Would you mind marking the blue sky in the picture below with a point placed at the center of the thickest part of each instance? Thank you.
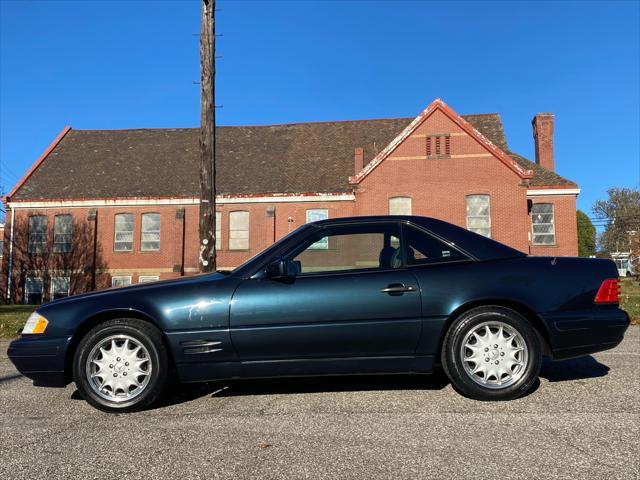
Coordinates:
(109, 65)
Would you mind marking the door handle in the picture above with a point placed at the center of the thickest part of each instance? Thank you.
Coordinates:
(398, 289)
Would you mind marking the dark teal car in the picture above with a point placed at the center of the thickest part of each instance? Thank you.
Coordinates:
(344, 296)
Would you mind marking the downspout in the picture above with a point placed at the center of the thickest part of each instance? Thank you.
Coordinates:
(13, 218)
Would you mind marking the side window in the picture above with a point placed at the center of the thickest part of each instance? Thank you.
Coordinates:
(218, 230)
(59, 287)
(239, 230)
(400, 206)
(316, 215)
(543, 224)
(37, 234)
(479, 214)
(423, 249)
(350, 248)
(33, 290)
(120, 281)
(123, 241)
(150, 240)
(62, 232)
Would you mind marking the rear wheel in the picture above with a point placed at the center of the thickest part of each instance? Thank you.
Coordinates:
(492, 353)
(121, 365)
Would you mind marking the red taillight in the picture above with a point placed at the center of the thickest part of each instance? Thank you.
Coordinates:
(609, 291)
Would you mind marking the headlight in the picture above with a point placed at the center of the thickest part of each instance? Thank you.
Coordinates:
(36, 324)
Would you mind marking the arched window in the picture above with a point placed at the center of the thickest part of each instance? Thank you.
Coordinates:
(479, 214)
(400, 206)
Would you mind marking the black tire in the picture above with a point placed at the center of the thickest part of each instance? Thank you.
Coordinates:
(145, 334)
(452, 362)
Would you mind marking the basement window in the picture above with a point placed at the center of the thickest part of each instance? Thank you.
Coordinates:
(33, 290)
(62, 232)
(543, 224)
(400, 206)
(37, 234)
(120, 281)
(150, 241)
(59, 287)
(123, 241)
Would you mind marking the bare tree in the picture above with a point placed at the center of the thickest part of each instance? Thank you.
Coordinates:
(44, 259)
(621, 213)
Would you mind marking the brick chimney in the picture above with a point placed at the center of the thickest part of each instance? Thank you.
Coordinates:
(359, 159)
(543, 137)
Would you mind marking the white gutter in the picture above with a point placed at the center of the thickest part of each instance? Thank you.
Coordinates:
(132, 202)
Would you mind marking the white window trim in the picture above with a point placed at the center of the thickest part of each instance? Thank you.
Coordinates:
(68, 286)
(26, 292)
(400, 197)
(553, 225)
(479, 216)
(113, 277)
(231, 237)
(115, 232)
(142, 232)
(149, 278)
(323, 243)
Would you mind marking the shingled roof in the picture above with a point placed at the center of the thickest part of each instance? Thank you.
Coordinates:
(293, 158)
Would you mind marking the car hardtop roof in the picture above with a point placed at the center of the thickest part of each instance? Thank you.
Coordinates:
(478, 246)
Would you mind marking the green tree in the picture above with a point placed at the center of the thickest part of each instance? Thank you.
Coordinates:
(586, 235)
(621, 214)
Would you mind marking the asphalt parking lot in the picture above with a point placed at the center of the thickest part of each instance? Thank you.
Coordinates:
(581, 422)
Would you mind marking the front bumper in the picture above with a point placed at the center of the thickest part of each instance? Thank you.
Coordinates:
(574, 334)
(41, 359)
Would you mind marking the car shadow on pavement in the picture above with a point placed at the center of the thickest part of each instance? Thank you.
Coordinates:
(181, 393)
(573, 369)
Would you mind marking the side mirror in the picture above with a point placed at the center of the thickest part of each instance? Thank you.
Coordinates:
(282, 270)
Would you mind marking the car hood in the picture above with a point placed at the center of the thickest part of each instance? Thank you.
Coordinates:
(141, 287)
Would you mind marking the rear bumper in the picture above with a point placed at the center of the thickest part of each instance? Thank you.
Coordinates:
(41, 359)
(574, 334)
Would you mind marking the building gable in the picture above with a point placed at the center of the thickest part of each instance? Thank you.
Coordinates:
(430, 135)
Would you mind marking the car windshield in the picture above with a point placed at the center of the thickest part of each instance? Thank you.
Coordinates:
(259, 257)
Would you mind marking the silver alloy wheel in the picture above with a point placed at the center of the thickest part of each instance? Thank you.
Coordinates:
(494, 355)
(118, 368)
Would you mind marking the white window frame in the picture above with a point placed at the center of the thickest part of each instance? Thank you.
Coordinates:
(114, 277)
(130, 232)
(218, 230)
(148, 278)
(51, 292)
(482, 217)
(27, 291)
(41, 245)
(68, 245)
(552, 223)
(398, 205)
(315, 215)
(144, 232)
(239, 235)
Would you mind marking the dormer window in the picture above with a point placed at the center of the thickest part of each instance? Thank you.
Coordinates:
(438, 146)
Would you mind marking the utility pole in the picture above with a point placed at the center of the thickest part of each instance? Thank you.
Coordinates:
(207, 138)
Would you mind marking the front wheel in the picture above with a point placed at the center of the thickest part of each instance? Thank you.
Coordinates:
(121, 365)
(492, 353)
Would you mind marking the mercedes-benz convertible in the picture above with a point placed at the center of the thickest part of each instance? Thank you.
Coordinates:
(388, 294)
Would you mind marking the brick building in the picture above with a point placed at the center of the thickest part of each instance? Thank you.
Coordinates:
(125, 202)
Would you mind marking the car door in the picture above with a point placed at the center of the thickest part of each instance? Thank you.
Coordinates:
(351, 297)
